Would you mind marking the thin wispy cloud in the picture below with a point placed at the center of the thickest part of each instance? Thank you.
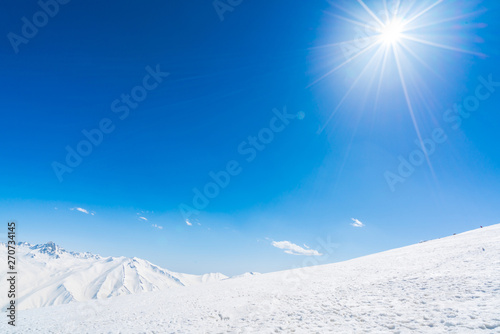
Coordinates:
(293, 249)
(188, 223)
(356, 223)
(157, 226)
(83, 211)
(143, 218)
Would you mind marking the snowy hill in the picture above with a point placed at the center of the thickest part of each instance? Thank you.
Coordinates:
(58, 276)
(248, 274)
(449, 285)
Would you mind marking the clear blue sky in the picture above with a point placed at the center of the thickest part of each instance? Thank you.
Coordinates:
(315, 171)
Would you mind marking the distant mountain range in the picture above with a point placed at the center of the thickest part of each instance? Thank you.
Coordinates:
(50, 275)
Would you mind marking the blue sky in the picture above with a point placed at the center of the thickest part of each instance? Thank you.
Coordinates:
(306, 175)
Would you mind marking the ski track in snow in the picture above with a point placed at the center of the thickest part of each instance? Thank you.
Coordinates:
(448, 285)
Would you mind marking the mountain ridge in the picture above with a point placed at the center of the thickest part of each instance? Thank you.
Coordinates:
(63, 276)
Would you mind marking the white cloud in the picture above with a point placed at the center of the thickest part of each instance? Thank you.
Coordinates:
(188, 223)
(357, 223)
(157, 226)
(83, 210)
(143, 218)
(291, 248)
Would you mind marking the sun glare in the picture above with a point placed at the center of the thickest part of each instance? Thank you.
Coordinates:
(392, 35)
(391, 32)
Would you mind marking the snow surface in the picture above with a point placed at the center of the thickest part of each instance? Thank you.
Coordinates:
(50, 275)
(449, 285)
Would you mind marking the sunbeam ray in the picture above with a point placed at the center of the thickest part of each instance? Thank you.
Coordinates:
(449, 19)
(423, 12)
(361, 24)
(421, 61)
(342, 43)
(343, 64)
(410, 108)
(367, 66)
(384, 62)
(446, 47)
(371, 13)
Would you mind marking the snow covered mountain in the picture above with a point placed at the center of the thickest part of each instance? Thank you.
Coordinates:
(57, 276)
(448, 285)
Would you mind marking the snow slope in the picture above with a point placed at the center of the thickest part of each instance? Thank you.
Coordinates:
(449, 285)
(57, 276)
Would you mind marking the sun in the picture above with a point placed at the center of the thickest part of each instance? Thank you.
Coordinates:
(394, 36)
(392, 32)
